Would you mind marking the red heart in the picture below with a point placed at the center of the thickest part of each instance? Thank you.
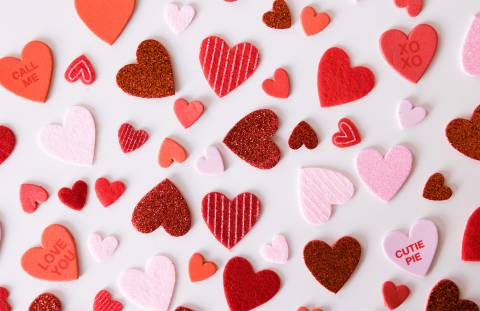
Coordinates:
(339, 84)
(4, 306)
(464, 135)
(311, 23)
(171, 151)
(183, 308)
(413, 6)
(303, 134)
(187, 114)
(229, 221)
(7, 142)
(394, 297)
(108, 193)
(435, 190)
(226, 69)
(409, 56)
(199, 270)
(445, 297)
(102, 302)
(30, 195)
(348, 135)
(76, 197)
(279, 87)
(245, 289)
(80, 68)
(129, 139)
(45, 302)
(471, 238)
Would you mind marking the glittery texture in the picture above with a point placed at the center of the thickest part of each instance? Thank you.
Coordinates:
(435, 190)
(464, 135)
(303, 134)
(471, 49)
(4, 306)
(76, 197)
(332, 267)
(280, 17)
(445, 297)
(409, 116)
(413, 6)
(45, 302)
(129, 139)
(348, 135)
(7, 143)
(394, 297)
(471, 238)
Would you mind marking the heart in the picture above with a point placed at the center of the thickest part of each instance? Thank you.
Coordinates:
(225, 73)
(413, 6)
(409, 56)
(303, 134)
(7, 143)
(129, 139)
(279, 87)
(198, 270)
(152, 289)
(76, 197)
(29, 77)
(105, 18)
(4, 306)
(409, 116)
(384, 176)
(250, 140)
(245, 289)
(229, 221)
(45, 302)
(171, 151)
(152, 77)
(394, 297)
(212, 164)
(332, 267)
(163, 206)
(471, 49)
(280, 17)
(471, 238)
(74, 142)
(102, 302)
(435, 190)
(305, 309)
(56, 260)
(183, 309)
(108, 193)
(177, 19)
(445, 297)
(277, 252)
(30, 195)
(187, 114)
(339, 84)
(100, 248)
(319, 189)
(80, 68)
(464, 135)
(413, 252)
(348, 135)
(312, 24)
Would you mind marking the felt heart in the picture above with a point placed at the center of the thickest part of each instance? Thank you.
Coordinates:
(277, 252)
(445, 297)
(76, 197)
(339, 84)
(163, 206)
(245, 289)
(177, 19)
(152, 77)
(56, 260)
(198, 270)
(105, 18)
(225, 73)
(4, 306)
(212, 164)
(471, 49)
(250, 139)
(414, 252)
(171, 151)
(471, 238)
(280, 17)
(80, 68)
(279, 87)
(30, 195)
(29, 77)
(319, 189)
(229, 221)
(413, 6)
(303, 134)
(45, 302)
(150, 290)
(384, 176)
(332, 266)
(100, 248)
(394, 297)
(348, 135)
(409, 116)
(108, 193)
(464, 135)
(129, 139)
(74, 142)
(186, 113)
(312, 24)
(102, 302)
(7, 143)
(435, 190)
(409, 56)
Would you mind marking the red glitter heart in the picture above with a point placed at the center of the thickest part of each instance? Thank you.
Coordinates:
(445, 297)
(348, 135)
(303, 134)
(183, 309)
(80, 68)
(102, 302)
(108, 193)
(7, 143)
(394, 297)
(129, 139)
(464, 135)
(76, 197)
(280, 17)
(471, 238)
(435, 190)
(4, 306)
(45, 302)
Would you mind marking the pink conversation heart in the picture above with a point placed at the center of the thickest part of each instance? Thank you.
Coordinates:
(277, 252)
(179, 19)
(74, 142)
(151, 290)
(409, 116)
(384, 176)
(471, 49)
(101, 249)
(414, 252)
(319, 189)
(212, 164)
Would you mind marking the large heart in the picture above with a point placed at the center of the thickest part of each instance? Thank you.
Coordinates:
(226, 69)
(445, 296)
(471, 238)
(56, 260)
(229, 221)
(102, 302)
(464, 135)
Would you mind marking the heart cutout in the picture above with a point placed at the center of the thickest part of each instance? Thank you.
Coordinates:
(471, 49)
(471, 238)
(199, 270)
(4, 306)
(305, 309)
(435, 190)
(303, 134)
(277, 252)
(279, 87)
(186, 113)
(102, 302)
(100, 248)
(108, 193)
(212, 164)
(394, 297)
(80, 68)
(177, 19)
(45, 302)
(409, 116)
(413, 6)
(279, 17)
(445, 296)
(348, 135)
(76, 197)
(171, 151)
(464, 135)
(129, 139)
(30, 195)
(7, 143)
(311, 23)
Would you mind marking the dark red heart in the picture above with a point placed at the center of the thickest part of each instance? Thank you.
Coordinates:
(129, 139)
(413, 6)
(4, 306)
(279, 17)
(464, 135)
(80, 68)
(183, 309)
(394, 297)
(435, 190)
(7, 142)
(445, 297)
(102, 302)
(348, 135)
(303, 134)
(76, 197)
(471, 238)
(108, 193)
(45, 302)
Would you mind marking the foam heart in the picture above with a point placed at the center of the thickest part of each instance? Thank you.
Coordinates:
(102, 302)
(279, 17)
(471, 238)
(45, 302)
(171, 151)
(277, 252)
(279, 87)
(80, 68)
(348, 135)
(384, 176)
(199, 270)
(129, 139)
(150, 290)
(76, 197)
(394, 297)
(108, 193)
(100, 248)
(177, 19)
(471, 49)
(212, 164)
(4, 306)
(445, 296)
(413, 6)
(303, 134)
(409, 116)
(30, 195)
(311, 23)
(435, 190)
(74, 142)
(464, 135)
(186, 113)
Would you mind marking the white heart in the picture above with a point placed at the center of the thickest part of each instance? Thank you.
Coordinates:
(177, 19)
(277, 252)
(101, 249)
(409, 116)
(212, 164)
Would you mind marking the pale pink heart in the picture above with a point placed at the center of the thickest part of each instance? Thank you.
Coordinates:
(414, 252)
(277, 252)
(151, 290)
(409, 116)
(384, 176)
(212, 164)
(101, 249)
(74, 142)
(471, 49)
(177, 19)
(319, 189)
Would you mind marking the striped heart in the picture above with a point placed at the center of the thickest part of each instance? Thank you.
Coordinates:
(102, 302)
(129, 139)
(229, 221)
(226, 69)
(348, 135)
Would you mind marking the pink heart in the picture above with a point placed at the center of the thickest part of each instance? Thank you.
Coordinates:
(277, 252)
(101, 249)
(471, 49)
(414, 252)
(186, 113)
(179, 19)
(151, 290)
(212, 164)
(409, 116)
(74, 142)
(384, 177)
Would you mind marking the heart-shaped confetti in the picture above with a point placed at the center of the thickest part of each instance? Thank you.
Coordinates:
(303, 134)
(45, 302)
(348, 135)
(4, 306)
(471, 49)
(435, 190)
(413, 6)
(100, 248)
(186, 113)
(199, 270)
(76, 197)
(277, 252)
(177, 19)
(7, 143)
(80, 68)
(279, 17)
(445, 296)
(312, 23)
(30, 195)
(171, 151)
(464, 135)
(305, 309)
(212, 164)
(279, 87)
(102, 302)
(129, 139)
(471, 238)
(409, 116)
(393, 296)
(108, 193)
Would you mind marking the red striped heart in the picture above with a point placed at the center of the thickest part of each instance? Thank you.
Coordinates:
(229, 221)
(102, 302)
(129, 139)
(348, 135)
(80, 68)
(226, 69)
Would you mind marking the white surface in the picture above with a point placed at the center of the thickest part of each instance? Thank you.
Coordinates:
(444, 91)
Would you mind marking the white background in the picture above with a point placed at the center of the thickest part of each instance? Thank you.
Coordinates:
(444, 91)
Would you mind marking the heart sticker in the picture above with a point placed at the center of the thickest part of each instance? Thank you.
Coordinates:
(348, 135)
(409, 116)
(108, 193)
(471, 49)
(177, 19)
(102, 302)
(30, 195)
(171, 151)
(186, 113)
(212, 164)
(464, 135)
(279, 17)
(76, 197)
(471, 238)
(446, 296)
(80, 68)
(4, 306)
(413, 6)
(311, 23)
(199, 270)
(100, 248)
(129, 139)
(393, 296)
(279, 87)
(277, 252)
(435, 190)
(303, 134)
(45, 302)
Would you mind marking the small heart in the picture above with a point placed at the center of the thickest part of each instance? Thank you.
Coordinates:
(108, 193)
(187, 114)
(303, 134)
(409, 116)
(394, 297)
(80, 68)
(348, 135)
(45, 302)
(280, 17)
(471, 238)
(177, 19)
(445, 297)
(183, 308)
(101, 249)
(471, 49)
(4, 306)
(435, 190)
(464, 135)
(129, 139)
(277, 252)
(102, 302)
(312, 24)
(279, 87)
(305, 309)
(171, 151)
(198, 270)
(212, 164)
(76, 197)
(30, 195)
(413, 6)
(7, 143)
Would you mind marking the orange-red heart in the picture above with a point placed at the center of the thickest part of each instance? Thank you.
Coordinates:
(279, 87)
(199, 270)
(311, 23)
